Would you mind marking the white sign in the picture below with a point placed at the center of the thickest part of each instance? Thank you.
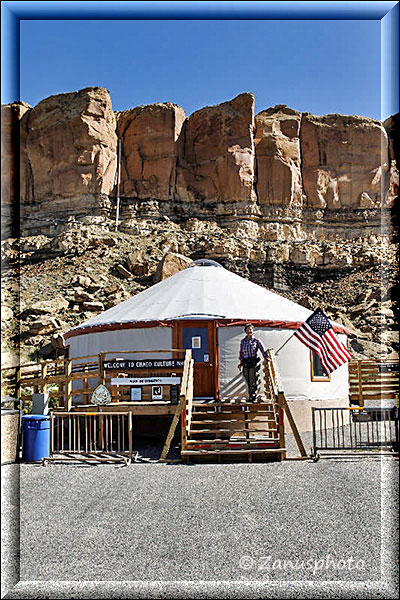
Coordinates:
(196, 342)
(156, 392)
(136, 394)
(101, 395)
(145, 381)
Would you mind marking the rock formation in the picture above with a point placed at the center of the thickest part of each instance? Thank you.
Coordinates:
(70, 148)
(277, 147)
(11, 131)
(216, 154)
(344, 161)
(289, 200)
(149, 135)
(277, 176)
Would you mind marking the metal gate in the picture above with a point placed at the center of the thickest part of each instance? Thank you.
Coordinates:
(352, 429)
(103, 436)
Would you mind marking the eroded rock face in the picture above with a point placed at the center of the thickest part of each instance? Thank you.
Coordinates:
(277, 146)
(392, 127)
(149, 135)
(71, 145)
(282, 176)
(344, 161)
(11, 115)
(216, 154)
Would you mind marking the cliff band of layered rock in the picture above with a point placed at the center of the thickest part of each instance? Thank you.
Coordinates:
(148, 159)
(279, 174)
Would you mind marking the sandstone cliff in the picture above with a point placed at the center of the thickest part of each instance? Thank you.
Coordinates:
(290, 200)
(283, 174)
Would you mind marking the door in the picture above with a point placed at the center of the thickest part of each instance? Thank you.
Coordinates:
(199, 336)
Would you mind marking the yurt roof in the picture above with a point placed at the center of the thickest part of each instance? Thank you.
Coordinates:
(203, 290)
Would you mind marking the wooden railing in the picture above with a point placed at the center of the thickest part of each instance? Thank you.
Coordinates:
(273, 385)
(185, 401)
(373, 380)
(90, 433)
(189, 397)
(66, 379)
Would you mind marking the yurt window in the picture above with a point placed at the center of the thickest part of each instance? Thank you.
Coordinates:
(317, 371)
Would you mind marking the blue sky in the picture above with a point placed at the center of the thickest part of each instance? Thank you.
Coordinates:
(320, 67)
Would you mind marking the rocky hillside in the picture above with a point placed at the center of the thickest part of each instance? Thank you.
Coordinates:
(302, 204)
(69, 278)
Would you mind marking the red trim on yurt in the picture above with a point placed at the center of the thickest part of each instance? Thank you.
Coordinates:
(116, 327)
(274, 324)
(218, 323)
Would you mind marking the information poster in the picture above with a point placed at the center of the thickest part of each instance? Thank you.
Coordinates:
(196, 342)
(136, 394)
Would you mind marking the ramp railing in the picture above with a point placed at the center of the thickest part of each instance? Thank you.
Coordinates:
(91, 434)
(352, 429)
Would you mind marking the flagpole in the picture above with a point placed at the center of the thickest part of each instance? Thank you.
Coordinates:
(284, 344)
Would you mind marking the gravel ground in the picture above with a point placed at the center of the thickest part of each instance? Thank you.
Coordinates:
(259, 527)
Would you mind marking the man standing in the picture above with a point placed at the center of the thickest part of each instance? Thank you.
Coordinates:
(248, 358)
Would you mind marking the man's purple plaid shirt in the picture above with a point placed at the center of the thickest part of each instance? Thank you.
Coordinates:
(249, 347)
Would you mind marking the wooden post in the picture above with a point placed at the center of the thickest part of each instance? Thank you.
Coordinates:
(51, 433)
(281, 427)
(293, 425)
(360, 394)
(181, 406)
(102, 374)
(68, 385)
(44, 377)
(186, 383)
(18, 390)
(130, 434)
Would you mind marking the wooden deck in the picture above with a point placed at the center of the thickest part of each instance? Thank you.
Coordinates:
(209, 428)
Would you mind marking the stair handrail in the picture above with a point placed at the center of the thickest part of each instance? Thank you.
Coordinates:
(189, 397)
(185, 374)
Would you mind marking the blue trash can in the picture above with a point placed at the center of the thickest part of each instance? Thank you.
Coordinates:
(35, 437)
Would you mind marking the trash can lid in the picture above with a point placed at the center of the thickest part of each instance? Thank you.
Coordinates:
(36, 417)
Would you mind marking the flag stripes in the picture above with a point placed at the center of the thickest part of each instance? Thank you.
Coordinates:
(317, 333)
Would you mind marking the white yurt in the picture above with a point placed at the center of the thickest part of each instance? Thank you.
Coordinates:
(205, 307)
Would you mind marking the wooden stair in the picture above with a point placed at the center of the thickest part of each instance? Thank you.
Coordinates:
(233, 430)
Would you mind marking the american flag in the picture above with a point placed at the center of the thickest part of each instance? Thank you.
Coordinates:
(317, 333)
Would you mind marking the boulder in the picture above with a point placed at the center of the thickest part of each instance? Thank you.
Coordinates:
(44, 326)
(277, 145)
(81, 281)
(57, 341)
(216, 153)
(343, 165)
(93, 306)
(52, 307)
(137, 263)
(123, 272)
(149, 134)
(81, 296)
(71, 145)
(6, 314)
(169, 265)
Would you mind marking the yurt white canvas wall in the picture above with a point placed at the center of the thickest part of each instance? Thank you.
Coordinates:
(205, 307)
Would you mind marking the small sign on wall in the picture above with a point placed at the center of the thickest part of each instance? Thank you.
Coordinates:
(156, 392)
(136, 394)
(196, 342)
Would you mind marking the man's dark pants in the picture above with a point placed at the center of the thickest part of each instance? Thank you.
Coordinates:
(250, 375)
